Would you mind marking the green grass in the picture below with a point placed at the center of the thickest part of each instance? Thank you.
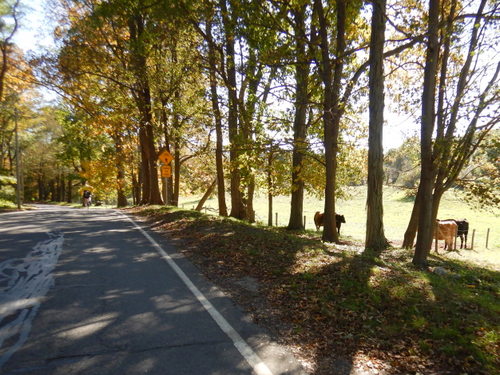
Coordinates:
(397, 211)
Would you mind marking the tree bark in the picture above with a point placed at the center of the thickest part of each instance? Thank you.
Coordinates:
(427, 174)
(221, 190)
(270, 187)
(299, 123)
(136, 188)
(4, 48)
(375, 236)
(411, 230)
(331, 108)
(237, 207)
(120, 176)
(142, 96)
(69, 190)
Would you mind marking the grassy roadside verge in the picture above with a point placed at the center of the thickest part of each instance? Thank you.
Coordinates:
(338, 305)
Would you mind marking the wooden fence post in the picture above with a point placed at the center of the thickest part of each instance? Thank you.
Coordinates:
(304, 222)
(472, 242)
(276, 219)
(487, 237)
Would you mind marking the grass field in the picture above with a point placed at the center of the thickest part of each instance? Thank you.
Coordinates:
(397, 211)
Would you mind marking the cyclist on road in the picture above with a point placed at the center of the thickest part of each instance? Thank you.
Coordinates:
(87, 198)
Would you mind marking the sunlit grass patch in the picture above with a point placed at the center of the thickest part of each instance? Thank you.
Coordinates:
(7, 204)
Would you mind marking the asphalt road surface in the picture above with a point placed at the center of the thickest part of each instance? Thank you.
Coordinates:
(90, 292)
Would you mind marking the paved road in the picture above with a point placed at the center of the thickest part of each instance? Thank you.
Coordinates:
(88, 292)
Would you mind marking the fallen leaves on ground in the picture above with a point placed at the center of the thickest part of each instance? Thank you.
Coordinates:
(338, 307)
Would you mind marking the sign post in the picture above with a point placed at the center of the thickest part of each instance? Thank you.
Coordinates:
(166, 170)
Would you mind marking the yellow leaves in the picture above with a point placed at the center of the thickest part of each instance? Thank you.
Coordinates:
(100, 174)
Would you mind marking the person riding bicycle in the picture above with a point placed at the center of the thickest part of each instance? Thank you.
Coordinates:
(87, 198)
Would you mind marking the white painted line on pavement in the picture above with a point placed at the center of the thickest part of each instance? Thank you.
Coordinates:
(23, 285)
(246, 351)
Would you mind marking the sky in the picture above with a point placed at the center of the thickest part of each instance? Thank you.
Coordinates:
(35, 31)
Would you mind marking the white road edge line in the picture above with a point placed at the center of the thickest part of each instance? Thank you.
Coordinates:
(246, 351)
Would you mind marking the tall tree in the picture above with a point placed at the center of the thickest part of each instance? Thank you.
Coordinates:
(142, 96)
(427, 173)
(221, 190)
(331, 77)
(238, 209)
(466, 100)
(375, 236)
(299, 122)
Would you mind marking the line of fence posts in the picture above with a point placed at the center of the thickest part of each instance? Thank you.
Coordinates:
(487, 238)
(455, 242)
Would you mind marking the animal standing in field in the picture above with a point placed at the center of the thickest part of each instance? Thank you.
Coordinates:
(446, 230)
(318, 220)
(463, 231)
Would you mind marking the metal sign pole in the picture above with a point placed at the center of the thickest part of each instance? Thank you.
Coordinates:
(165, 191)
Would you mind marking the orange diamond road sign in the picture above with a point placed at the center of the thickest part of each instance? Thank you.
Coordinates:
(166, 171)
(165, 157)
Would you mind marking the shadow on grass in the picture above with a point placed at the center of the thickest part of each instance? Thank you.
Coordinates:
(447, 323)
(345, 307)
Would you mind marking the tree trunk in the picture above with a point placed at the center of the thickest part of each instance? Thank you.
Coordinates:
(375, 236)
(142, 96)
(136, 189)
(52, 190)
(237, 207)
(331, 109)
(69, 190)
(207, 194)
(221, 190)
(270, 186)
(6, 43)
(3, 69)
(40, 188)
(425, 224)
(270, 209)
(249, 202)
(411, 230)
(144, 167)
(120, 174)
(299, 123)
